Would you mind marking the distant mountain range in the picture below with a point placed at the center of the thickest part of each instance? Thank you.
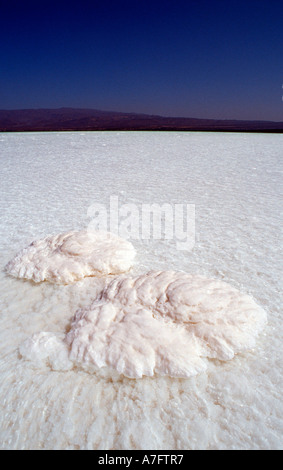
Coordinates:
(73, 119)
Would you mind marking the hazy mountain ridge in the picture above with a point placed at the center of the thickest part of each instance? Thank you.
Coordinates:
(76, 119)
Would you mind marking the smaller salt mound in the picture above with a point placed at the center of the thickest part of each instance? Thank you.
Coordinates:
(159, 323)
(71, 256)
(47, 349)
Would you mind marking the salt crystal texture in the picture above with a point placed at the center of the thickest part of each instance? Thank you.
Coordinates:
(162, 322)
(71, 256)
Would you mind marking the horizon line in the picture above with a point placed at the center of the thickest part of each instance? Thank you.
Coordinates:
(137, 114)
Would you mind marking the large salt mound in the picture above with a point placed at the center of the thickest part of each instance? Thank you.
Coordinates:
(161, 322)
(71, 256)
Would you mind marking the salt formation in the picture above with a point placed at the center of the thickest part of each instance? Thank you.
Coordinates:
(162, 322)
(71, 256)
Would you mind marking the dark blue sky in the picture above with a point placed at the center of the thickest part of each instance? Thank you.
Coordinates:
(214, 59)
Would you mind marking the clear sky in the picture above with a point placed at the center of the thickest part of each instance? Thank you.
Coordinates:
(194, 58)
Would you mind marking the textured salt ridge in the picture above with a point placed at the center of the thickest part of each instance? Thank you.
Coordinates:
(71, 256)
(163, 323)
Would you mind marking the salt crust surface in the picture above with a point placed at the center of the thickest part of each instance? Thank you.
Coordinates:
(48, 182)
(71, 256)
(162, 323)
